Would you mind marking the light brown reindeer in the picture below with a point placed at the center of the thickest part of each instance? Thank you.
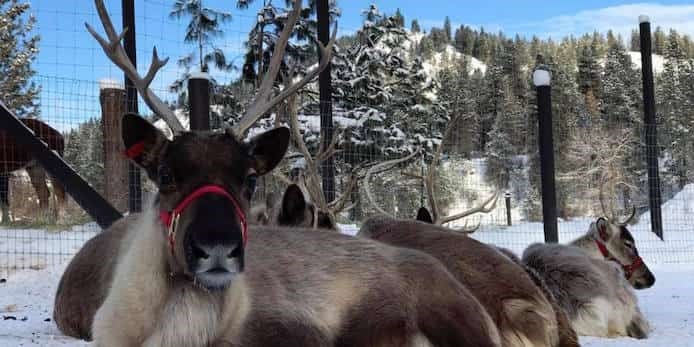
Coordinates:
(592, 278)
(193, 274)
(518, 307)
(567, 335)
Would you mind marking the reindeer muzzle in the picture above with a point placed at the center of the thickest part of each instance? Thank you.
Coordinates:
(170, 218)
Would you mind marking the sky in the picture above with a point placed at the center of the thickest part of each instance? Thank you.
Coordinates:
(71, 63)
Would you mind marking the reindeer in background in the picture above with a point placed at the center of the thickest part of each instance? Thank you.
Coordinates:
(592, 277)
(14, 157)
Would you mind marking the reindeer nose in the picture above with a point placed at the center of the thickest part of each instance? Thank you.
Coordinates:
(220, 257)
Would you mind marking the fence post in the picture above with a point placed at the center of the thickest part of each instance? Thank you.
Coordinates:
(507, 195)
(650, 127)
(542, 81)
(199, 101)
(113, 99)
(134, 177)
(326, 107)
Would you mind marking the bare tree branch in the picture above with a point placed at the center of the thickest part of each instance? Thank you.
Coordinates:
(384, 166)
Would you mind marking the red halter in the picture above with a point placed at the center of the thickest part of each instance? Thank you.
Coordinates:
(628, 269)
(170, 218)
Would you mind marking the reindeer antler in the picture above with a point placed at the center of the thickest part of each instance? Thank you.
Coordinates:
(485, 207)
(114, 50)
(384, 166)
(612, 216)
(262, 103)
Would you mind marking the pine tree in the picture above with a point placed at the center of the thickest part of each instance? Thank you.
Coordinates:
(203, 28)
(500, 149)
(399, 18)
(415, 28)
(673, 106)
(447, 29)
(635, 43)
(18, 50)
(659, 41)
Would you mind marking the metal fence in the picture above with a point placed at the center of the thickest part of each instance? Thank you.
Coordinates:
(79, 85)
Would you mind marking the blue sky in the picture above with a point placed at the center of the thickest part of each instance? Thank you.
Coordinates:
(70, 62)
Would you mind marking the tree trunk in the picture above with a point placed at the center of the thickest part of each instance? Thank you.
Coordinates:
(113, 102)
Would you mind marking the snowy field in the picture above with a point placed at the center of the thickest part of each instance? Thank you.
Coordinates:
(27, 299)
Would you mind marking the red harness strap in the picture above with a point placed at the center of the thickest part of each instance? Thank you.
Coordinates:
(170, 218)
(135, 150)
(628, 269)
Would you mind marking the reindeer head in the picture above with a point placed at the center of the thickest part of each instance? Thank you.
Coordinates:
(296, 211)
(205, 183)
(617, 244)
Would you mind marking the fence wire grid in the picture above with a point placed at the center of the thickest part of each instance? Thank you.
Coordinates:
(486, 151)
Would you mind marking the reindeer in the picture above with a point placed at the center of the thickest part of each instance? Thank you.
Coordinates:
(294, 211)
(517, 306)
(194, 274)
(567, 335)
(87, 278)
(592, 278)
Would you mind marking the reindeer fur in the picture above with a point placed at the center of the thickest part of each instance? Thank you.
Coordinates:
(520, 310)
(299, 288)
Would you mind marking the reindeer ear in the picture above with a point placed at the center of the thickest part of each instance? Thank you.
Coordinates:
(268, 149)
(143, 142)
(293, 202)
(423, 215)
(602, 226)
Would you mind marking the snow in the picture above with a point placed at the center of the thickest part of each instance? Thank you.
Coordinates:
(28, 295)
(541, 78)
(107, 83)
(658, 62)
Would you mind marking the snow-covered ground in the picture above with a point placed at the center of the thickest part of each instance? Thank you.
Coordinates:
(27, 296)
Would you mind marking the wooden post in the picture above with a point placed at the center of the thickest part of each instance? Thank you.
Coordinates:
(112, 98)
(507, 195)
(541, 79)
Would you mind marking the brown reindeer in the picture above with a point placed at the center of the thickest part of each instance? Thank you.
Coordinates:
(293, 211)
(85, 282)
(520, 310)
(193, 274)
(567, 335)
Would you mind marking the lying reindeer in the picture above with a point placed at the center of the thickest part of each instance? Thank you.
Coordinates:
(193, 274)
(293, 211)
(567, 335)
(592, 276)
(518, 307)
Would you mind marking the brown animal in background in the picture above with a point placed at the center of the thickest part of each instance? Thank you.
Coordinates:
(522, 313)
(85, 282)
(14, 156)
(293, 211)
(188, 277)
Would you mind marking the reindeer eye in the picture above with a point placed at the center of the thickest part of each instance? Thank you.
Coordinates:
(166, 180)
(628, 244)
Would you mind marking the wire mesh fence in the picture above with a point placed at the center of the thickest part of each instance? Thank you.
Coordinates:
(485, 153)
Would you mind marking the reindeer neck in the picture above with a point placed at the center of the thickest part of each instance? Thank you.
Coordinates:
(587, 244)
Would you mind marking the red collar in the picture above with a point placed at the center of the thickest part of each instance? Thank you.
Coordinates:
(628, 269)
(170, 218)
